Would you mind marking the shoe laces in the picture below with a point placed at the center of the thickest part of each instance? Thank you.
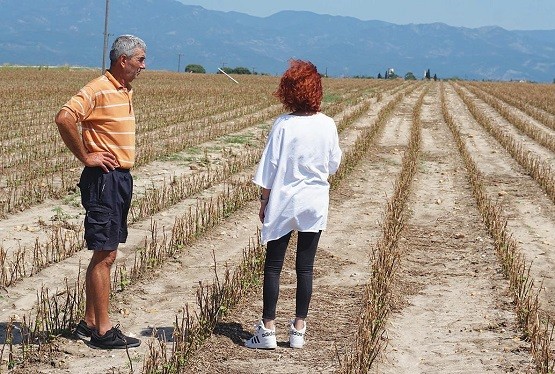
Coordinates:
(118, 333)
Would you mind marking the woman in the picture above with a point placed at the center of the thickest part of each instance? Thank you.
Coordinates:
(301, 152)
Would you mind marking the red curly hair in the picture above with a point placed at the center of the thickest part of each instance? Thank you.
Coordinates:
(300, 88)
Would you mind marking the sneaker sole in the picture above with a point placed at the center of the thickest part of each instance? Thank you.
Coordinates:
(81, 336)
(253, 347)
(260, 346)
(101, 346)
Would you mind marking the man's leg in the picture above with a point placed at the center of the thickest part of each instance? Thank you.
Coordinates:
(97, 291)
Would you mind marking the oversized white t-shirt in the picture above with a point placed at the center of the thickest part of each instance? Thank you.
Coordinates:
(300, 154)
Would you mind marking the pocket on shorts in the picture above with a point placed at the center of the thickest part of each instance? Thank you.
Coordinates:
(97, 225)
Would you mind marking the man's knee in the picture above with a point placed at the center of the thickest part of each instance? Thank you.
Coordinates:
(106, 258)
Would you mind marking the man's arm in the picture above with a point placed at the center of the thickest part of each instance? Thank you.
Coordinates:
(67, 127)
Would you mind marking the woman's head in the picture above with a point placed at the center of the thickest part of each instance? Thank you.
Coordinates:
(300, 88)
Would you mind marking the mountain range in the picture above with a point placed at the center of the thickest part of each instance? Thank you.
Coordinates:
(68, 32)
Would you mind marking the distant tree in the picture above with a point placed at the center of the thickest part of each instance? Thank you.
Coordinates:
(380, 77)
(387, 74)
(428, 74)
(241, 70)
(195, 68)
(435, 77)
(226, 69)
(410, 76)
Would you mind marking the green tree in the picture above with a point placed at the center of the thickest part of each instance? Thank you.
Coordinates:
(410, 76)
(241, 70)
(226, 70)
(195, 68)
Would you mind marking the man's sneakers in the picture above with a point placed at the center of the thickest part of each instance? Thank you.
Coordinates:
(296, 337)
(82, 331)
(113, 339)
(263, 338)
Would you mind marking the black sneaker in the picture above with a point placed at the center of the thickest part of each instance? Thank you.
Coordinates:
(113, 339)
(82, 331)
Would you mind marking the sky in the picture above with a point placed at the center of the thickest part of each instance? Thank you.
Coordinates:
(509, 14)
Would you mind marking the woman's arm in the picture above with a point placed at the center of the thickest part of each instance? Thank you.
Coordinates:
(264, 197)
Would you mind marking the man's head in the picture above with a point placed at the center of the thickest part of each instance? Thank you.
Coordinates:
(127, 57)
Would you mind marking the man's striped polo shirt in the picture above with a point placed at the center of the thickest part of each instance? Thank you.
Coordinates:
(105, 111)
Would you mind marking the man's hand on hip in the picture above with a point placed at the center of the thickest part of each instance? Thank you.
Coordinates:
(104, 160)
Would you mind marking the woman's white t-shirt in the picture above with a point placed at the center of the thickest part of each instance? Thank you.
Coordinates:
(300, 154)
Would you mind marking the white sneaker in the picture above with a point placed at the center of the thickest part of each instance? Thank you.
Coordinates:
(296, 337)
(263, 338)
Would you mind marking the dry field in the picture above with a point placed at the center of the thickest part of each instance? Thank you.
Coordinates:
(438, 256)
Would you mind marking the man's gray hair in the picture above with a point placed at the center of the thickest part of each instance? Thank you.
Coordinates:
(125, 45)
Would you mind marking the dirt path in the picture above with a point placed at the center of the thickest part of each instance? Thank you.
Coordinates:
(530, 214)
(455, 314)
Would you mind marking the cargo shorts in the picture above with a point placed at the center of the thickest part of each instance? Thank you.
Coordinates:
(106, 198)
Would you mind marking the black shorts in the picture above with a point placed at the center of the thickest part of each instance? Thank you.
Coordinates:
(106, 198)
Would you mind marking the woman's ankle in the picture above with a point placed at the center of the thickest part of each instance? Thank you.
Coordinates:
(269, 324)
(299, 323)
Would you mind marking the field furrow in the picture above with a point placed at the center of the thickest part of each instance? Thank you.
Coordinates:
(453, 302)
(529, 212)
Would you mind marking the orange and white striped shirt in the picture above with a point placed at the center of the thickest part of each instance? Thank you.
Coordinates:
(104, 109)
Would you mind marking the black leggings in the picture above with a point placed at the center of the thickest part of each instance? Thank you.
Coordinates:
(307, 243)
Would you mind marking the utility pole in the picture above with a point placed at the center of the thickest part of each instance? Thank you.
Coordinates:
(179, 62)
(104, 51)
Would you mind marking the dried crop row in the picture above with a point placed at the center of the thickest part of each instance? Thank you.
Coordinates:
(377, 300)
(28, 95)
(540, 170)
(155, 257)
(540, 134)
(537, 327)
(526, 97)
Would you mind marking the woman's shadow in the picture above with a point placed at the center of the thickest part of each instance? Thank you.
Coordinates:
(232, 330)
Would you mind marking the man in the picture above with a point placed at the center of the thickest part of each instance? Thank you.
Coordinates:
(106, 146)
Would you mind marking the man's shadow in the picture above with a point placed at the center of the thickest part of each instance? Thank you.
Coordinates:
(15, 336)
(233, 330)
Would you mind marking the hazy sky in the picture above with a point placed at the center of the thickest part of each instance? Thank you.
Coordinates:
(509, 14)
